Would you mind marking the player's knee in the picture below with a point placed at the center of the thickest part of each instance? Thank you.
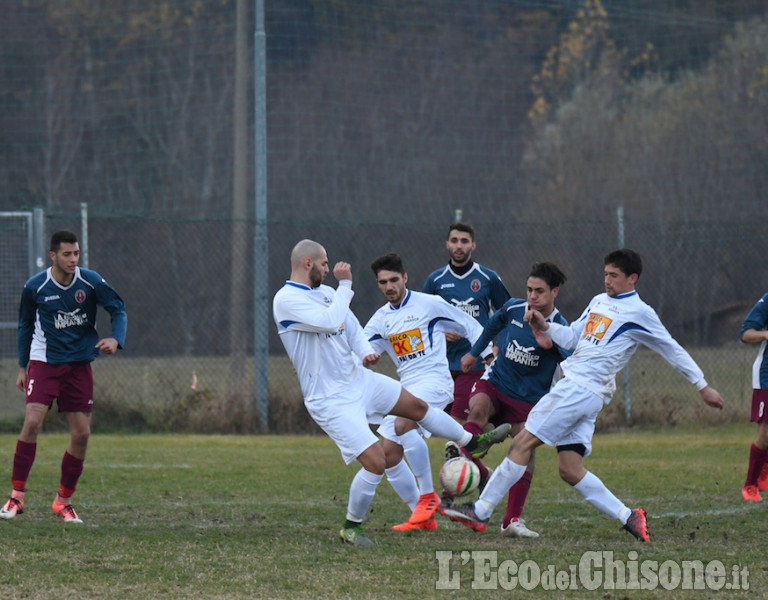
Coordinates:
(410, 406)
(79, 437)
(762, 436)
(377, 466)
(419, 408)
(31, 428)
(373, 459)
(571, 462)
(393, 454)
(568, 475)
(403, 426)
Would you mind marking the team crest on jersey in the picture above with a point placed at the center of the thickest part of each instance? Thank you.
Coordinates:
(596, 326)
(475, 285)
(80, 295)
(406, 342)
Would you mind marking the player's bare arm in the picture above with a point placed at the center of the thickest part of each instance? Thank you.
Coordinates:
(712, 397)
(492, 356)
(754, 336)
(107, 345)
(21, 379)
(538, 325)
(452, 336)
(342, 271)
(543, 340)
(468, 362)
(371, 359)
(536, 320)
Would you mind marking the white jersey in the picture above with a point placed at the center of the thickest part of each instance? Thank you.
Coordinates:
(606, 336)
(321, 335)
(413, 334)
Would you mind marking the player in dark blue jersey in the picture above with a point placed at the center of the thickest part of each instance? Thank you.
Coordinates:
(57, 341)
(473, 288)
(522, 373)
(754, 330)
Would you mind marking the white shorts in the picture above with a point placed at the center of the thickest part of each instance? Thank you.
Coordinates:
(436, 396)
(566, 415)
(345, 417)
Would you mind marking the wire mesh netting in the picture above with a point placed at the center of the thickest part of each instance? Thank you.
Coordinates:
(541, 122)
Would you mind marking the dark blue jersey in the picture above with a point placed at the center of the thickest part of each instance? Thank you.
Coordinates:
(523, 370)
(478, 292)
(758, 319)
(57, 324)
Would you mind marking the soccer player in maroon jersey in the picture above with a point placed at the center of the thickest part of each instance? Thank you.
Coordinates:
(57, 341)
(754, 330)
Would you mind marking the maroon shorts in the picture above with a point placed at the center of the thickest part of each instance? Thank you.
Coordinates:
(759, 406)
(70, 384)
(462, 388)
(508, 409)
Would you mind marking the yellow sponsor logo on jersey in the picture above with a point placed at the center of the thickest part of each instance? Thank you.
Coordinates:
(406, 342)
(597, 325)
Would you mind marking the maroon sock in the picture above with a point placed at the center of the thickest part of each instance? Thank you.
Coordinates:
(22, 464)
(518, 494)
(477, 430)
(71, 468)
(756, 460)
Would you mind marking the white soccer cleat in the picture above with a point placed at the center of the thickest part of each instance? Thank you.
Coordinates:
(10, 509)
(517, 528)
(452, 450)
(66, 512)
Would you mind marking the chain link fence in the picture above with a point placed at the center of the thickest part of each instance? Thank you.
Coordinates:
(177, 373)
(541, 122)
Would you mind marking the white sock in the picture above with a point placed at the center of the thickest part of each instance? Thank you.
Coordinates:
(506, 475)
(440, 423)
(361, 493)
(417, 455)
(599, 496)
(403, 482)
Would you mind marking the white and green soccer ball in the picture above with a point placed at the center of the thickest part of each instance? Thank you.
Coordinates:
(459, 476)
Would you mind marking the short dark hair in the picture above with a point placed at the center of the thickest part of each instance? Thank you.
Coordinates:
(549, 272)
(62, 237)
(388, 262)
(462, 226)
(628, 261)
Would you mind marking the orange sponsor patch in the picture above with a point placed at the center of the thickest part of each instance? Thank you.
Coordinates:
(406, 342)
(597, 325)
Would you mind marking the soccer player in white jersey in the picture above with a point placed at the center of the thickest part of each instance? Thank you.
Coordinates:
(754, 330)
(411, 328)
(329, 351)
(603, 338)
(475, 289)
(57, 341)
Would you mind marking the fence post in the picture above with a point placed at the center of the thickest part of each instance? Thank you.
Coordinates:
(261, 245)
(627, 399)
(39, 237)
(84, 234)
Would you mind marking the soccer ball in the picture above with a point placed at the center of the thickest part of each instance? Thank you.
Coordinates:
(459, 476)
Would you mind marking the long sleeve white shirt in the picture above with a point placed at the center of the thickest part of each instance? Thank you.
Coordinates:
(321, 335)
(413, 334)
(606, 336)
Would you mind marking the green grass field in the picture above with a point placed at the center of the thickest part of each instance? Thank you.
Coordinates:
(190, 516)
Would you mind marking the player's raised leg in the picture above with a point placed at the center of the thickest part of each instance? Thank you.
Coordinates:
(441, 424)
